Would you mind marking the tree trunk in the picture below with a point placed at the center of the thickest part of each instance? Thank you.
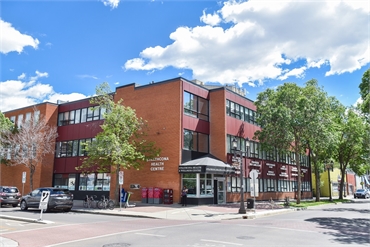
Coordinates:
(116, 191)
(298, 177)
(341, 186)
(317, 180)
(32, 171)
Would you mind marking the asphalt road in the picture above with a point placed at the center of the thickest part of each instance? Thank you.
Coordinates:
(344, 224)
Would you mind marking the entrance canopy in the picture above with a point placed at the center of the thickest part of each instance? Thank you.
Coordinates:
(206, 164)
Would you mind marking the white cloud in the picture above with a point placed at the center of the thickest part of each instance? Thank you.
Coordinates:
(210, 19)
(111, 3)
(87, 76)
(25, 91)
(257, 39)
(12, 40)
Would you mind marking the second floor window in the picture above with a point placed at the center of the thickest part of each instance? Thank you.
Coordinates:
(195, 141)
(195, 106)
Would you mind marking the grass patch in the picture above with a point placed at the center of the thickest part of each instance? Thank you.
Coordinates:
(305, 203)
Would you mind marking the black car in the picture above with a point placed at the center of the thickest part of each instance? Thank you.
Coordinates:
(362, 193)
(61, 199)
(9, 195)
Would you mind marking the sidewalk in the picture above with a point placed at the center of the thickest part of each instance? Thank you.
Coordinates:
(190, 212)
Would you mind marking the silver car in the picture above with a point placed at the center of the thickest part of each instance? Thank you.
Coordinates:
(60, 199)
(9, 195)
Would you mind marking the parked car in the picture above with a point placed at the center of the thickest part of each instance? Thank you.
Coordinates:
(60, 199)
(9, 195)
(362, 193)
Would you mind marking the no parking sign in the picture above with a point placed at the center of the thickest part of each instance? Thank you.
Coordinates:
(44, 200)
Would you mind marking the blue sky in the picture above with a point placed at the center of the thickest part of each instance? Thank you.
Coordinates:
(62, 50)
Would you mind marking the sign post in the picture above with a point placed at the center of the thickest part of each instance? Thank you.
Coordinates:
(44, 200)
(120, 178)
(254, 186)
(24, 174)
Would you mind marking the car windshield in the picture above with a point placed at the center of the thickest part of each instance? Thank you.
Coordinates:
(60, 192)
(360, 190)
(10, 190)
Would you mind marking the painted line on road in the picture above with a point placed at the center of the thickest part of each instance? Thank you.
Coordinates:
(117, 233)
(219, 242)
(148, 234)
(279, 228)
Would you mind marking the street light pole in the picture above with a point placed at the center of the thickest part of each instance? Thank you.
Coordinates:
(236, 150)
(329, 167)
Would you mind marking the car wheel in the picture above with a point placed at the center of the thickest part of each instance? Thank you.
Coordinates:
(367, 196)
(24, 206)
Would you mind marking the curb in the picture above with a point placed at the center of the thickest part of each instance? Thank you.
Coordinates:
(25, 219)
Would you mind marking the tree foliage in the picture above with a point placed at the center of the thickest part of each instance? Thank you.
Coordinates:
(365, 92)
(288, 116)
(352, 145)
(30, 143)
(6, 127)
(121, 144)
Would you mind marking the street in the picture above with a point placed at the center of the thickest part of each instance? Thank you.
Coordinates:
(345, 224)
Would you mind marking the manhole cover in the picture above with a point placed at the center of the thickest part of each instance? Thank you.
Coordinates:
(116, 245)
(245, 237)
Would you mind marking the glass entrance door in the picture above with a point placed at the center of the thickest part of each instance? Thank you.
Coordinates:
(221, 192)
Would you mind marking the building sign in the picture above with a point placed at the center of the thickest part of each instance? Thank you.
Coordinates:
(270, 173)
(255, 163)
(270, 165)
(283, 168)
(283, 174)
(157, 163)
(135, 186)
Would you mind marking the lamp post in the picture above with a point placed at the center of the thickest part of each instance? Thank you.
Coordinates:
(241, 152)
(329, 167)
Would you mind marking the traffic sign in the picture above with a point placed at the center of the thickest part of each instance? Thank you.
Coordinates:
(24, 177)
(121, 177)
(44, 200)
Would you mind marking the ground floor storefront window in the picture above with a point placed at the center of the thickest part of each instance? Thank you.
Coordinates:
(83, 182)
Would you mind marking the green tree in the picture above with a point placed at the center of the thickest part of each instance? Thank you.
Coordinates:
(365, 93)
(287, 116)
(121, 144)
(352, 144)
(6, 127)
(320, 136)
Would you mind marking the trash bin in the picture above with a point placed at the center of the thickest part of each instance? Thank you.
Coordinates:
(150, 195)
(250, 203)
(158, 195)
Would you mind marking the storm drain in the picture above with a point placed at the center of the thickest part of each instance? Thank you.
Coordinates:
(117, 245)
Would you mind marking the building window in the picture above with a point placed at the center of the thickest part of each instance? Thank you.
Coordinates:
(195, 106)
(195, 141)
(36, 116)
(28, 116)
(240, 112)
(190, 181)
(206, 188)
(65, 181)
(20, 120)
(12, 118)
(81, 115)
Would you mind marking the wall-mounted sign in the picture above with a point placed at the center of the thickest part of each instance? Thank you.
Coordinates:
(270, 165)
(135, 186)
(283, 174)
(294, 169)
(157, 163)
(283, 168)
(254, 163)
(270, 173)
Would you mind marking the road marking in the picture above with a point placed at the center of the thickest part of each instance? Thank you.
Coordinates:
(280, 228)
(219, 242)
(117, 233)
(147, 234)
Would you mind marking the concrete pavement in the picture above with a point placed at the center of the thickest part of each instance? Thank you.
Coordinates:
(169, 212)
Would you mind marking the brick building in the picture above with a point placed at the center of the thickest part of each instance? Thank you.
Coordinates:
(194, 126)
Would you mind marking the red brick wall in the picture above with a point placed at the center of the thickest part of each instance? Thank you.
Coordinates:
(160, 106)
(12, 175)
